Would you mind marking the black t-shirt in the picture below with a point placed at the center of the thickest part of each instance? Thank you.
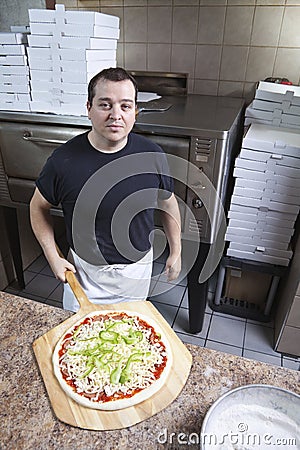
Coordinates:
(115, 194)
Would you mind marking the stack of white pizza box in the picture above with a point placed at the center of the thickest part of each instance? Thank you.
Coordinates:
(276, 105)
(14, 72)
(66, 48)
(266, 196)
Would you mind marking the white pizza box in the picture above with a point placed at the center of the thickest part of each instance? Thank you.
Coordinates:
(17, 49)
(277, 116)
(15, 88)
(267, 194)
(247, 231)
(76, 66)
(61, 77)
(19, 29)
(80, 77)
(95, 18)
(264, 213)
(13, 60)
(12, 38)
(73, 110)
(250, 222)
(15, 79)
(87, 42)
(269, 184)
(74, 30)
(49, 86)
(278, 92)
(271, 159)
(58, 108)
(71, 54)
(14, 97)
(45, 75)
(270, 168)
(257, 241)
(271, 123)
(260, 254)
(265, 203)
(264, 176)
(15, 106)
(279, 97)
(284, 107)
(14, 70)
(73, 17)
(56, 95)
(271, 139)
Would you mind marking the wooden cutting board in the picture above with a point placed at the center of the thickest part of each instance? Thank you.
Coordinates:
(72, 413)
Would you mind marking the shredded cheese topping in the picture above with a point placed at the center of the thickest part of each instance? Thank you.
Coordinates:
(112, 356)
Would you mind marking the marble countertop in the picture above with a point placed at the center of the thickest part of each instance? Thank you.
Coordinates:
(27, 419)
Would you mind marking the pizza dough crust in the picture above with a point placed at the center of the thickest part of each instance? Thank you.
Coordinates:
(117, 404)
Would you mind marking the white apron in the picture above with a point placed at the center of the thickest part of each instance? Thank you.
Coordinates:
(106, 284)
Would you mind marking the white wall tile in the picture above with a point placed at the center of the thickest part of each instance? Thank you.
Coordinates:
(135, 56)
(183, 58)
(238, 25)
(234, 63)
(135, 24)
(160, 24)
(159, 57)
(260, 63)
(208, 34)
(287, 64)
(266, 26)
(185, 22)
(208, 60)
(290, 33)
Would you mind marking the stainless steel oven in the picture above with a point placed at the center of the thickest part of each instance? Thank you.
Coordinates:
(205, 131)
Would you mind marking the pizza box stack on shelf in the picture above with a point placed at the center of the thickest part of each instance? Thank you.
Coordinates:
(14, 72)
(66, 48)
(276, 105)
(266, 197)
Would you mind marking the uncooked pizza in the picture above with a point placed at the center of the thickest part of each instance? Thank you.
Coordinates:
(111, 360)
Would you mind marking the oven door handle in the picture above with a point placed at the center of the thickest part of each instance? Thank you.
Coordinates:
(27, 137)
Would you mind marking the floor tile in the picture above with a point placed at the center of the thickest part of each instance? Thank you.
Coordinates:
(191, 339)
(265, 324)
(39, 264)
(41, 285)
(291, 363)
(181, 323)
(263, 357)
(182, 281)
(47, 271)
(185, 303)
(231, 349)
(167, 293)
(227, 331)
(157, 269)
(259, 338)
(167, 311)
(57, 294)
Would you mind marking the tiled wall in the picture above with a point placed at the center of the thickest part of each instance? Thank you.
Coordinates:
(224, 45)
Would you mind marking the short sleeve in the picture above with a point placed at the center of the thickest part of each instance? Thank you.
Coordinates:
(47, 183)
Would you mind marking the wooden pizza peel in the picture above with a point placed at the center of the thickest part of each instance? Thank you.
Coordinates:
(69, 411)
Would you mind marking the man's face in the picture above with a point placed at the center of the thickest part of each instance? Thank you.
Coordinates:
(112, 113)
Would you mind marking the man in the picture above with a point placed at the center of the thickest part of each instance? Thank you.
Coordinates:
(123, 270)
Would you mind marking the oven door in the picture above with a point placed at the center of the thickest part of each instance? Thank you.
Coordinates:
(25, 149)
(178, 147)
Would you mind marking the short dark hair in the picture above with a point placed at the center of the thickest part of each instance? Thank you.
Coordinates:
(110, 74)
